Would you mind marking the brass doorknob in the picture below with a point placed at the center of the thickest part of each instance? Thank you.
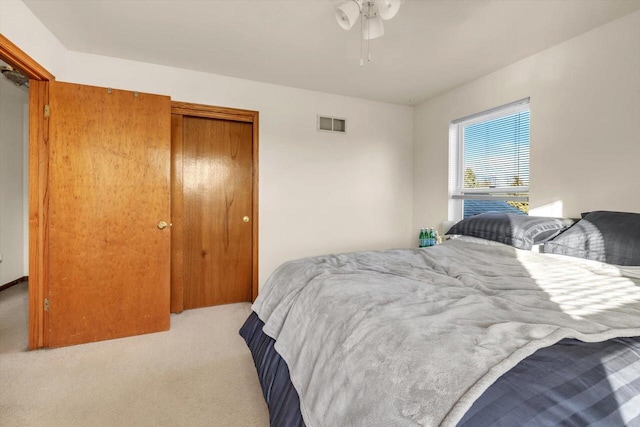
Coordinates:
(162, 225)
(245, 219)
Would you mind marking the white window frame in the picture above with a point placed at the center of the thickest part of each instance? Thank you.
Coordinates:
(457, 192)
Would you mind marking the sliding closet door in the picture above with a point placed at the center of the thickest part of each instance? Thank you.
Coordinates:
(109, 250)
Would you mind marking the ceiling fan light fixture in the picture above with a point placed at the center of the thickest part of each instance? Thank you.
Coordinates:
(371, 14)
(372, 28)
(389, 8)
(348, 12)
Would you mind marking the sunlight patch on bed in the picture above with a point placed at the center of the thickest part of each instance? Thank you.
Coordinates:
(630, 409)
(572, 285)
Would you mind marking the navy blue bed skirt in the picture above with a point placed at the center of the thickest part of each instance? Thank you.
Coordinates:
(571, 383)
(273, 372)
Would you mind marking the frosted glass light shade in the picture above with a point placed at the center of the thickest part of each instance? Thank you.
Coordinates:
(347, 14)
(372, 28)
(389, 8)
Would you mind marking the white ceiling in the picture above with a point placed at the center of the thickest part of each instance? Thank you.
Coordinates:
(429, 47)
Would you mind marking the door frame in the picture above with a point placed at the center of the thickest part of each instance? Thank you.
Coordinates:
(185, 109)
(39, 79)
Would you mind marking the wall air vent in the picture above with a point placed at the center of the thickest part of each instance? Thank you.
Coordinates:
(332, 124)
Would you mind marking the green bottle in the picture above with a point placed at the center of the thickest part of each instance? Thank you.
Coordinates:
(422, 238)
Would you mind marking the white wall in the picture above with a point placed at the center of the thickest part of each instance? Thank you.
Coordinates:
(13, 101)
(25, 187)
(21, 26)
(319, 192)
(585, 124)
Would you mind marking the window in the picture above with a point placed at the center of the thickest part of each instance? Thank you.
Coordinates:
(489, 162)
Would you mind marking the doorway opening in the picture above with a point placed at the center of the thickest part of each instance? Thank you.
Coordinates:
(14, 208)
(37, 164)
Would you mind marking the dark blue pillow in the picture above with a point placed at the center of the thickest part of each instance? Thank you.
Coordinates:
(519, 231)
(612, 237)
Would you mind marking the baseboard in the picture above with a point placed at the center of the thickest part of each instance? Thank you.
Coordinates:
(15, 282)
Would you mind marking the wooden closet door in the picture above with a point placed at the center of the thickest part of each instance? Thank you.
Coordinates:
(109, 172)
(217, 209)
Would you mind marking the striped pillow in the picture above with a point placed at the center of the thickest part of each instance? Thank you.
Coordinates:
(519, 231)
(611, 237)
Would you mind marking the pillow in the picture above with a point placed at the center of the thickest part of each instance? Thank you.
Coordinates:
(519, 231)
(461, 238)
(611, 237)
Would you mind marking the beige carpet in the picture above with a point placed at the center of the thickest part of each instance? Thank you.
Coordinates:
(200, 373)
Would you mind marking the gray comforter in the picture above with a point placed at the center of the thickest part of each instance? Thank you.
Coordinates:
(414, 336)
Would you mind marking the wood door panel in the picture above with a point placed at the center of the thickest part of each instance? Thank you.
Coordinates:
(217, 195)
(109, 187)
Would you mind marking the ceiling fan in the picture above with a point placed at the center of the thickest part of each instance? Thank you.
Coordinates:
(372, 13)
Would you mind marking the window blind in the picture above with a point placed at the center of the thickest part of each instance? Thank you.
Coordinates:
(496, 152)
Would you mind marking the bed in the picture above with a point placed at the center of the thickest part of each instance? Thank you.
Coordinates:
(469, 333)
